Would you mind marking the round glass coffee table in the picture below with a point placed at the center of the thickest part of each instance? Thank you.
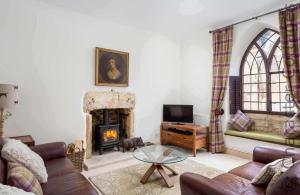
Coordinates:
(159, 156)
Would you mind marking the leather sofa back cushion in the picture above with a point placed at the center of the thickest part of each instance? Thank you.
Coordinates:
(259, 154)
(2, 164)
(289, 182)
(2, 171)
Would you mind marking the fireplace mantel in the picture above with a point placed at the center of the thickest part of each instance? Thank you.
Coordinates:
(94, 100)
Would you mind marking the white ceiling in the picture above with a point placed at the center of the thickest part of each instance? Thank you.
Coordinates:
(174, 17)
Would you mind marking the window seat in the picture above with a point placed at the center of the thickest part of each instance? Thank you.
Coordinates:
(266, 137)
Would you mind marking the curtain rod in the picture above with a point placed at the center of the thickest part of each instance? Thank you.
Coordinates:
(256, 17)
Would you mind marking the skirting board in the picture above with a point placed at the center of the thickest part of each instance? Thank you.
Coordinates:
(238, 153)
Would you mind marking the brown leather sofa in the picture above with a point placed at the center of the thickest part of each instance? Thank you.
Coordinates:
(63, 178)
(238, 180)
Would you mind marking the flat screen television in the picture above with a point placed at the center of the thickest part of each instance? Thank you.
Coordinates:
(178, 113)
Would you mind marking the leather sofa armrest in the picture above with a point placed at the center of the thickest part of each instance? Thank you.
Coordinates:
(50, 150)
(195, 184)
(266, 155)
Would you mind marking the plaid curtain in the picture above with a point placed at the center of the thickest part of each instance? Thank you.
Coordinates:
(289, 21)
(222, 47)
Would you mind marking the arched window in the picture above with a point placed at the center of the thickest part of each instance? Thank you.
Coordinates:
(264, 87)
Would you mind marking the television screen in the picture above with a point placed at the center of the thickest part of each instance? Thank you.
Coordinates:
(178, 113)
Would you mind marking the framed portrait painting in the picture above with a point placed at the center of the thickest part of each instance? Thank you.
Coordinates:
(112, 68)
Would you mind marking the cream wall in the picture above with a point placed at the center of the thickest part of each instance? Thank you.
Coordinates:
(49, 53)
(197, 73)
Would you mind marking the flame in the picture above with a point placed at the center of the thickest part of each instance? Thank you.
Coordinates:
(110, 134)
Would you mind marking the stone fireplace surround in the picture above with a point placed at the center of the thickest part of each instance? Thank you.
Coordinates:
(94, 100)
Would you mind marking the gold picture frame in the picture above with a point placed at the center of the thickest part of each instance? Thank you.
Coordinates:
(111, 68)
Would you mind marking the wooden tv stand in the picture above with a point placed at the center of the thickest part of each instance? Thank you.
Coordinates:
(184, 135)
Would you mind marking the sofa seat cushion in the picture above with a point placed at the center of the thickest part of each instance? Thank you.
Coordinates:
(263, 136)
(59, 166)
(248, 171)
(239, 185)
(68, 184)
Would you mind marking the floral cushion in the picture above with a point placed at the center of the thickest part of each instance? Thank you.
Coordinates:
(10, 190)
(20, 177)
(276, 177)
(240, 121)
(269, 170)
(16, 151)
(273, 181)
(292, 127)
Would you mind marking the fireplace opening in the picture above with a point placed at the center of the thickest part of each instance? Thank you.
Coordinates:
(110, 127)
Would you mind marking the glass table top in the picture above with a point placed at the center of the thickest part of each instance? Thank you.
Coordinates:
(158, 154)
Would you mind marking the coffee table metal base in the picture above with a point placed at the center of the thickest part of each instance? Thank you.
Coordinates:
(162, 172)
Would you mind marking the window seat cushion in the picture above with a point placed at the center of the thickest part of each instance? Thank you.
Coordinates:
(263, 136)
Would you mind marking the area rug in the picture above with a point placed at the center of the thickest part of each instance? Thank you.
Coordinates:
(126, 181)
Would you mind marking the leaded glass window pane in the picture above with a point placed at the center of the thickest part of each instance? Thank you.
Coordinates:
(263, 76)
